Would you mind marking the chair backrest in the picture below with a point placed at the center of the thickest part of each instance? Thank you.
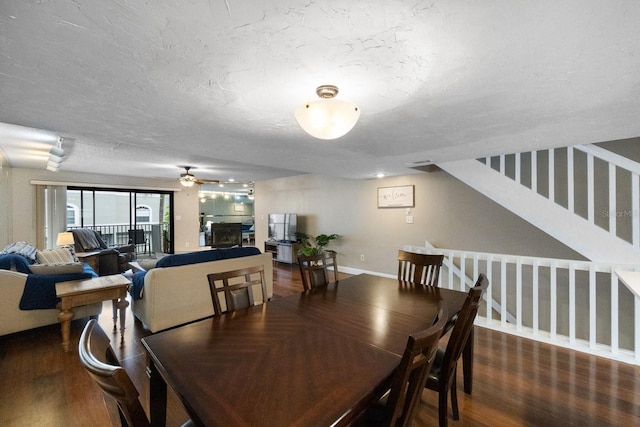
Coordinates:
(97, 356)
(237, 287)
(462, 328)
(136, 236)
(411, 375)
(419, 268)
(87, 239)
(315, 269)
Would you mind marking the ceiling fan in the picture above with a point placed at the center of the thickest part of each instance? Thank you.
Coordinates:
(187, 179)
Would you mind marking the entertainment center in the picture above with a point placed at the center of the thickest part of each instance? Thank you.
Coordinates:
(282, 242)
(286, 252)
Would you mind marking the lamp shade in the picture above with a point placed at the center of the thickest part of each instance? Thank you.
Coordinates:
(65, 238)
(327, 117)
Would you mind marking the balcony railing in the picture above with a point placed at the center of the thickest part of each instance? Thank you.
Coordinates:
(580, 305)
(149, 238)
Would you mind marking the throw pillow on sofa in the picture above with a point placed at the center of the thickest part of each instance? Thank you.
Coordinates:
(57, 268)
(21, 248)
(55, 256)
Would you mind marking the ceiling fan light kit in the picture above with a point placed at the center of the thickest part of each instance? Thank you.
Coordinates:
(327, 117)
(187, 179)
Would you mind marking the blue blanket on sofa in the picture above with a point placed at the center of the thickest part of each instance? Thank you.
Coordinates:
(190, 258)
(15, 261)
(40, 290)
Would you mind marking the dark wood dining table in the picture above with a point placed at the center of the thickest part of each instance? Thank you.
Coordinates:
(315, 358)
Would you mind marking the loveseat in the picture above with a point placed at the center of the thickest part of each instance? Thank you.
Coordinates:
(111, 260)
(20, 310)
(176, 291)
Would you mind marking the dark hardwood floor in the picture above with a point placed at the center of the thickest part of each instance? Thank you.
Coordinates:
(517, 382)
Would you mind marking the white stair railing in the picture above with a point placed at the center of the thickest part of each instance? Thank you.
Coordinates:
(606, 186)
(580, 305)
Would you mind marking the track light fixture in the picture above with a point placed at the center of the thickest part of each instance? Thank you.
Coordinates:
(56, 157)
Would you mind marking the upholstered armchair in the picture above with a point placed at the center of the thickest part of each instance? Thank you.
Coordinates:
(111, 260)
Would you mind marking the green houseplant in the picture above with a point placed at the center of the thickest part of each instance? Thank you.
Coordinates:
(314, 245)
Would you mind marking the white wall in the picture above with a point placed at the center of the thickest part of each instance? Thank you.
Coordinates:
(447, 213)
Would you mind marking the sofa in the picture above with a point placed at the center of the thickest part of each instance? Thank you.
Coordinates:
(176, 291)
(21, 310)
(111, 260)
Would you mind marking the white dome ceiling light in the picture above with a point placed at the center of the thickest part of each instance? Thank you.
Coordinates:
(327, 117)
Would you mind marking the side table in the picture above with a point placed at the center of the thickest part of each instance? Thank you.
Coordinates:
(75, 293)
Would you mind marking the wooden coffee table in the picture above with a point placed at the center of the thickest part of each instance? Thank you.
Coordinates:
(88, 291)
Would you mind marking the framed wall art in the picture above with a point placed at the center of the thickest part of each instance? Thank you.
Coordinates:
(396, 197)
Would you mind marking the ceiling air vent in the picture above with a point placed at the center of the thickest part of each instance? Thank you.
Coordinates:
(423, 166)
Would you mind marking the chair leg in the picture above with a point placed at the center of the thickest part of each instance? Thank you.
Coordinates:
(442, 407)
(454, 396)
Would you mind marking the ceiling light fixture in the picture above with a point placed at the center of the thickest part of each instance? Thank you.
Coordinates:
(56, 156)
(53, 166)
(327, 118)
(188, 180)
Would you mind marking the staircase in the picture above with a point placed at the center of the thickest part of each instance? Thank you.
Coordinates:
(584, 196)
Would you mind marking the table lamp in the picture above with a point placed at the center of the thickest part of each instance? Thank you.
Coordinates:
(65, 239)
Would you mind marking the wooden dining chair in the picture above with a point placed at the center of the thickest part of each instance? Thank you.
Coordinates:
(98, 358)
(237, 288)
(419, 268)
(318, 270)
(396, 408)
(442, 377)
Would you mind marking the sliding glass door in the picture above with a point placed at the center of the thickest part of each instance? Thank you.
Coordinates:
(122, 216)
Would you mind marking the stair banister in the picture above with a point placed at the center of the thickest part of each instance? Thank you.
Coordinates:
(574, 322)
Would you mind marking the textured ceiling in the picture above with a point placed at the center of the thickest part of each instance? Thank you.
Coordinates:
(138, 88)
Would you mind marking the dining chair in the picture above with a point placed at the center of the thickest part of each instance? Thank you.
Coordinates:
(419, 268)
(316, 270)
(396, 408)
(237, 288)
(98, 358)
(442, 377)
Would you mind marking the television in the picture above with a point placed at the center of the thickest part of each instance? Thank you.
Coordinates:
(283, 227)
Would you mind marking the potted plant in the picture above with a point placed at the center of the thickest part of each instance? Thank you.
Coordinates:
(314, 245)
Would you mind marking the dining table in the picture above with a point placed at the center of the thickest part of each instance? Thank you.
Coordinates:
(318, 358)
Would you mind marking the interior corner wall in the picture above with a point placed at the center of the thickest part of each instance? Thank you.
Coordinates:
(186, 215)
(23, 208)
(447, 213)
(6, 213)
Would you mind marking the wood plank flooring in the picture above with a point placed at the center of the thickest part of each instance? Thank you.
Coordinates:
(517, 382)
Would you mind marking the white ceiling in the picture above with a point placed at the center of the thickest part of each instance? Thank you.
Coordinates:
(138, 88)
